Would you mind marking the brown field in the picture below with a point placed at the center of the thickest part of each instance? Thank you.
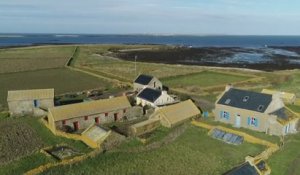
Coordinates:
(34, 58)
(63, 80)
(17, 140)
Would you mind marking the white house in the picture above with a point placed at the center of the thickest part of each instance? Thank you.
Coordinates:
(153, 97)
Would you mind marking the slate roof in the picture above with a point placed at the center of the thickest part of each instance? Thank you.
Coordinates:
(143, 79)
(149, 94)
(248, 100)
(244, 169)
(281, 113)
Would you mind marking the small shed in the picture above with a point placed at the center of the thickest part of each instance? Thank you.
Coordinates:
(144, 127)
(176, 114)
(287, 97)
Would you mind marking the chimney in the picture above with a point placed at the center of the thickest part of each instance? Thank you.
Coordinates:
(227, 87)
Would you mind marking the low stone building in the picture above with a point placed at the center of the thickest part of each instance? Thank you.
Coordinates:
(287, 97)
(143, 81)
(79, 116)
(176, 114)
(256, 111)
(30, 102)
(153, 97)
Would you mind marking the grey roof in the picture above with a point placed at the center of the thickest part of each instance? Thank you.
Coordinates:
(150, 94)
(243, 99)
(244, 169)
(280, 113)
(143, 79)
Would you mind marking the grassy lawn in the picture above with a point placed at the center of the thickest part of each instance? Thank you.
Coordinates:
(194, 152)
(34, 58)
(63, 80)
(202, 79)
(23, 163)
(292, 84)
(287, 160)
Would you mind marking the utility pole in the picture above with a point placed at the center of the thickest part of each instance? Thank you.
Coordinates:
(135, 58)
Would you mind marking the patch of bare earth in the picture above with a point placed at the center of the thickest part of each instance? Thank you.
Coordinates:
(17, 140)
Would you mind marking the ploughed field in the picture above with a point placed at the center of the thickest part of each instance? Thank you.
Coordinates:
(21, 141)
(17, 140)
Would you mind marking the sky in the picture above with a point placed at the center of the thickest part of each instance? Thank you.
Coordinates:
(191, 17)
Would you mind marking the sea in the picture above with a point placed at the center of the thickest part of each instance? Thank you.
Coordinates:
(8, 40)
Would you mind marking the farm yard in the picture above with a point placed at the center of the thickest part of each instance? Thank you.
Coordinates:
(34, 58)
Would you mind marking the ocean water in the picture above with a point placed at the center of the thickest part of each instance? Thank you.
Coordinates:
(183, 40)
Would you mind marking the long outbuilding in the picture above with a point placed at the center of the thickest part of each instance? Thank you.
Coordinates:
(81, 115)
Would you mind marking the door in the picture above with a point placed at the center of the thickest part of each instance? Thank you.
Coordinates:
(238, 121)
(76, 125)
(97, 120)
(116, 116)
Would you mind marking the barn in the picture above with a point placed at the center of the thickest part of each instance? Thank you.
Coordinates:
(176, 114)
(80, 116)
(30, 102)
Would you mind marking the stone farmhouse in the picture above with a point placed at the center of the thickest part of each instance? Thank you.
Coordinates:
(143, 81)
(82, 115)
(30, 102)
(256, 111)
(153, 97)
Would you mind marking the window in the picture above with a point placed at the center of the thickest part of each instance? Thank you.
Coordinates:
(253, 121)
(227, 101)
(260, 107)
(106, 114)
(86, 117)
(124, 110)
(64, 122)
(246, 98)
(36, 103)
(224, 115)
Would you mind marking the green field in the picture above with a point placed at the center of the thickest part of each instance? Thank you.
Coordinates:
(23, 163)
(194, 152)
(287, 160)
(202, 79)
(94, 57)
(63, 80)
(34, 58)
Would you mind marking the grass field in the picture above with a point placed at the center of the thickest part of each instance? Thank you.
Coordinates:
(34, 58)
(63, 80)
(194, 152)
(30, 157)
(202, 79)
(287, 160)
(94, 57)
